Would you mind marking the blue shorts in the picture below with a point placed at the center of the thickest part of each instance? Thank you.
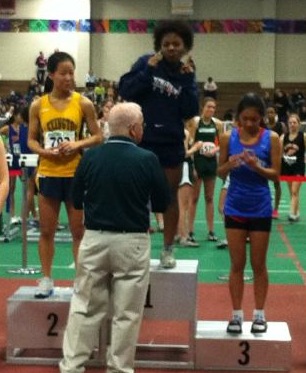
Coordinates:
(169, 155)
(248, 224)
(59, 188)
(31, 171)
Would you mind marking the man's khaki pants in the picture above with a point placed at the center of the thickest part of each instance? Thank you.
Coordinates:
(112, 265)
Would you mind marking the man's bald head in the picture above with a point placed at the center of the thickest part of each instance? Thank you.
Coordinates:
(125, 119)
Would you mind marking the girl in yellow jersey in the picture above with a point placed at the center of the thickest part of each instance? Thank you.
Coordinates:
(55, 135)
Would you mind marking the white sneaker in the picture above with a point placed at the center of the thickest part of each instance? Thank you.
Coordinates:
(294, 218)
(187, 242)
(15, 220)
(222, 244)
(60, 227)
(167, 259)
(45, 288)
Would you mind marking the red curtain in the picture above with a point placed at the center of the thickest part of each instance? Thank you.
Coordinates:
(7, 6)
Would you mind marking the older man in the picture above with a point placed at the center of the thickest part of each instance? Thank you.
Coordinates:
(115, 183)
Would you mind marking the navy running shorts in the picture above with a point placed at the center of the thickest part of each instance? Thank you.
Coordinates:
(248, 224)
(59, 188)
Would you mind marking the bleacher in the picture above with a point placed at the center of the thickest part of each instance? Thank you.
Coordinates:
(6, 86)
(229, 93)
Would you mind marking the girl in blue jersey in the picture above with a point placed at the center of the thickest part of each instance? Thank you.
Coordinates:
(165, 88)
(251, 155)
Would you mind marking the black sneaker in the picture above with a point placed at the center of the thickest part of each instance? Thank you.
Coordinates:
(211, 237)
(235, 325)
(259, 325)
(192, 240)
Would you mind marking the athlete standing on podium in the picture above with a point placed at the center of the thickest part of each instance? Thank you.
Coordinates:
(164, 86)
(55, 134)
(251, 155)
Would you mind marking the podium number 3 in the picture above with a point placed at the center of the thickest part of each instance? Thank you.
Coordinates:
(245, 348)
(54, 319)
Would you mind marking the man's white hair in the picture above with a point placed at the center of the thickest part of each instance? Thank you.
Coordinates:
(122, 116)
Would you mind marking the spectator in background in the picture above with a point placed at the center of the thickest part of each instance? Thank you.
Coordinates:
(297, 100)
(272, 123)
(41, 64)
(103, 118)
(90, 80)
(185, 192)
(302, 113)
(293, 162)
(4, 176)
(32, 214)
(282, 104)
(208, 129)
(33, 89)
(229, 115)
(111, 91)
(99, 92)
(13, 131)
(6, 113)
(267, 98)
(210, 88)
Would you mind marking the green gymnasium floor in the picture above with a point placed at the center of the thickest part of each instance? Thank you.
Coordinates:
(286, 257)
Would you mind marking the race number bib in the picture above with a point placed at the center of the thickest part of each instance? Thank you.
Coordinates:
(16, 149)
(55, 138)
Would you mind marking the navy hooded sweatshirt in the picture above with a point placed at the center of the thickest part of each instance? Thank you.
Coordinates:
(167, 98)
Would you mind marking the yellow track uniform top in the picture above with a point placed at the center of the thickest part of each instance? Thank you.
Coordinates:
(58, 126)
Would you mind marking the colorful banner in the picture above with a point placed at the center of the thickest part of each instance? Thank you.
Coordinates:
(143, 26)
(19, 25)
(38, 25)
(118, 26)
(67, 26)
(101, 26)
(53, 26)
(138, 26)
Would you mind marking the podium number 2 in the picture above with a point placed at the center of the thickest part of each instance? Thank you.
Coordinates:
(54, 319)
(245, 348)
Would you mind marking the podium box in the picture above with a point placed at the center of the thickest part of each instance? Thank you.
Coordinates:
(171, 304)
(218, 350)
(36, 326)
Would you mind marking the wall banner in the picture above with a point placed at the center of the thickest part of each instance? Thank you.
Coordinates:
(146, 26)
